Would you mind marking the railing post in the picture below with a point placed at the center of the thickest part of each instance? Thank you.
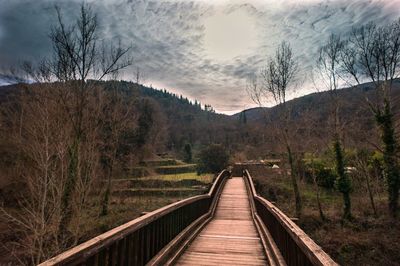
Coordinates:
(122, 252)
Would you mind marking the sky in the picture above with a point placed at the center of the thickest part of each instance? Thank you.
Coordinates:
(204, 50)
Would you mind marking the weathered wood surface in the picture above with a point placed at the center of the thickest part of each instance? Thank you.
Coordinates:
(138, 241)
(231, 237)
(294, 244)
(244, 229)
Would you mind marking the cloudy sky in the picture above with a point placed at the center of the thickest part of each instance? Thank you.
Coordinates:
(205, 50)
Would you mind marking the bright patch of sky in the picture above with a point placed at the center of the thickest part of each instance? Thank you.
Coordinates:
(228, 35)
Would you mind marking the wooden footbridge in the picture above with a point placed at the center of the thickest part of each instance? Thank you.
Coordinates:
(231, 225)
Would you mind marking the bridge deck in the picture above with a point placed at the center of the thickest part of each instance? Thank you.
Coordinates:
(231, 237)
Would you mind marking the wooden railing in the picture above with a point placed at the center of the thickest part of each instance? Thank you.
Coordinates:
(140, 240)
(296, 247)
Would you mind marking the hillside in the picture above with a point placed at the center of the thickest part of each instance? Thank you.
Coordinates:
(251, 132)
(253, 135)
(313, 111)
(142, 186)
(181, 120)
(351, 99)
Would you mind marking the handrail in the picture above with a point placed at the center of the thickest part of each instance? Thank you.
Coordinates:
(171, 252)
(295, 245)
(141, 238)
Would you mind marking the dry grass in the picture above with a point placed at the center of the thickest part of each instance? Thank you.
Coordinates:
(122, 209)
(205, 178)
(366, 240)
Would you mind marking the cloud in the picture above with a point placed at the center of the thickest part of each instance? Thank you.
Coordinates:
(176, 43)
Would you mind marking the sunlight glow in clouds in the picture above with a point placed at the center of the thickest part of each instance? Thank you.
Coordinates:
(229, 34)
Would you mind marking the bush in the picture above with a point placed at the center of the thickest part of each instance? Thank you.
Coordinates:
(187, 153)
(325, 176)
(213, 159)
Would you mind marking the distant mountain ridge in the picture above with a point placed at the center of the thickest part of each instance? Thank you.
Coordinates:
(350, 99)
(7, 80)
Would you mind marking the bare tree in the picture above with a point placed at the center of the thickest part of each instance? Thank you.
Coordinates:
(277, 78)
(57, 132)
(361, 162)
(118, 117)
(77, 58)
(40, 137)
(328, 69)
(140, 77)
(317, 188)
(373, 54)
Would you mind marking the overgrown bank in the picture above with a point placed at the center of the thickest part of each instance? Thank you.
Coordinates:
(363, 241)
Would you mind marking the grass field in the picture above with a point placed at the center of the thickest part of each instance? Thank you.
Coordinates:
(175, 169)
(205, 178)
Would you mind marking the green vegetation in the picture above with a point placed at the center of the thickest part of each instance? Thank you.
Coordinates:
(325, 176)
(362, 241)
(145, 123)
(372, 53)
(187, 156)
(343, 182)
(385, 121)
(212, 159)
(205, 178)
(175, 169)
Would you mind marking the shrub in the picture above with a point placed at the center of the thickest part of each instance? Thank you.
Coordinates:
(325, 176)
(213, 159)
(187, 153)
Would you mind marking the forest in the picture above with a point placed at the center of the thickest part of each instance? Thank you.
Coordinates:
(80, 142)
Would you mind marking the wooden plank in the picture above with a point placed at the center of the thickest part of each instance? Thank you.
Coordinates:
(231, 237)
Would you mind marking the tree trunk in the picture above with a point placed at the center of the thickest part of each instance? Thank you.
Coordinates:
(321, 213)
(107, 193)
(343, 182)
(369, 189)
(385, 121)
(66, 201)
(347, 206)
(371, 196)
(294, 182)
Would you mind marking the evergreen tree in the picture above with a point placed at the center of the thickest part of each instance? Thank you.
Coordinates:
(187, 153)
(145, 123)
(343, 181)
(243, 117)
(384, 119)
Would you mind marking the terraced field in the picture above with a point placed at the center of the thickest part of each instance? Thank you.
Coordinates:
(166, 177)
(137, 194)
